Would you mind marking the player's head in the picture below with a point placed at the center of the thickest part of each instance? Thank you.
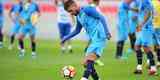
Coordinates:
(71, 7)
(96, 2)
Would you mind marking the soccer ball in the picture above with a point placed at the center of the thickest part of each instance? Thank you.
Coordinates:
(68, 72)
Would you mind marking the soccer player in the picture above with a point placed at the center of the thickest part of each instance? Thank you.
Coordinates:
(156, 22)
(92, 21)
(14, 15)
(64, 25)
(1, 24)
(144, 37)
(96, 3)
(30, 9)
(123, 26)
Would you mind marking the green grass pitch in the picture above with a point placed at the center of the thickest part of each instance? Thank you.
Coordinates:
(49, 62)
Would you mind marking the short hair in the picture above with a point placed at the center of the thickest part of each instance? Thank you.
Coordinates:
(68, 3)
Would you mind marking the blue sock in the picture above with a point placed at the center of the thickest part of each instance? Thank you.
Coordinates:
(89, 69)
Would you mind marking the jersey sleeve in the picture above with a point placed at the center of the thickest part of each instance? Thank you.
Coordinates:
(74, 33)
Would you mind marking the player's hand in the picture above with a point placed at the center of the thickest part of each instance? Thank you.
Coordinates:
(63, 41)
(22, 22)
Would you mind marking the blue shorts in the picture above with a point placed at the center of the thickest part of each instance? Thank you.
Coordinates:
(96, 47)
(28, 29)
(122, 34)
(132, 27)
(15, 29)
(144, 38)
(64, 29)
(156, 37)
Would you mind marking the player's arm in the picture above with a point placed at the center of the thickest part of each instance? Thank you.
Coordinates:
(91, 11)
(147, 15)
(74, 33)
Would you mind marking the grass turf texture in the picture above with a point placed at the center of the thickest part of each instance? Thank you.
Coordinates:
(49, 62)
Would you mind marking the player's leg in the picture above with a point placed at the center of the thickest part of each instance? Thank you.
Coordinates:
(119, 49)
(33, 41)
(14, 31)
(132, 38)
(139, 54)
(21, 44)
(94, 51)
(157, 45)
(148, 51)
(67, 31)
(62, 34)
(89, 65)
(21, 37)
(147, 43)
(1, 37)
(122, 36)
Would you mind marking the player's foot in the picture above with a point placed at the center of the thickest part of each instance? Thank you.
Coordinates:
(21, 53)
(158, 65)
(1, 45)
(153, 71)
(138, 70)
(83, 78)
(34, 55)
(99, 62)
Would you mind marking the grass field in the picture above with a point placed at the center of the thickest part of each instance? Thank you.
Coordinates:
(49, 62)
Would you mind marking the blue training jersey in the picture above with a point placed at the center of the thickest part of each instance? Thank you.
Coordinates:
(16, 9)
(27, 13)
(123, 19)
(146, 7)
(92, 22)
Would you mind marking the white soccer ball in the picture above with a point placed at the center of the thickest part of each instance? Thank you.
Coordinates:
(68, 72)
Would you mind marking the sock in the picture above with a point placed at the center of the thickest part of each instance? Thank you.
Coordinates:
(151, 58)
(158, 55)
(94, 75)
(1, 35)
(12, 39)
(33, 46)
(139, 57)
(119, 50)
(89, 69)
(21, 44)
(132, 40)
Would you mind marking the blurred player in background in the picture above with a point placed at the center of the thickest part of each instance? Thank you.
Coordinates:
(92, 21)
(145, 37)
(156, 23)
(64, 25)
(123, 26)
(1, 24)
(14, 16)
(28, 19)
